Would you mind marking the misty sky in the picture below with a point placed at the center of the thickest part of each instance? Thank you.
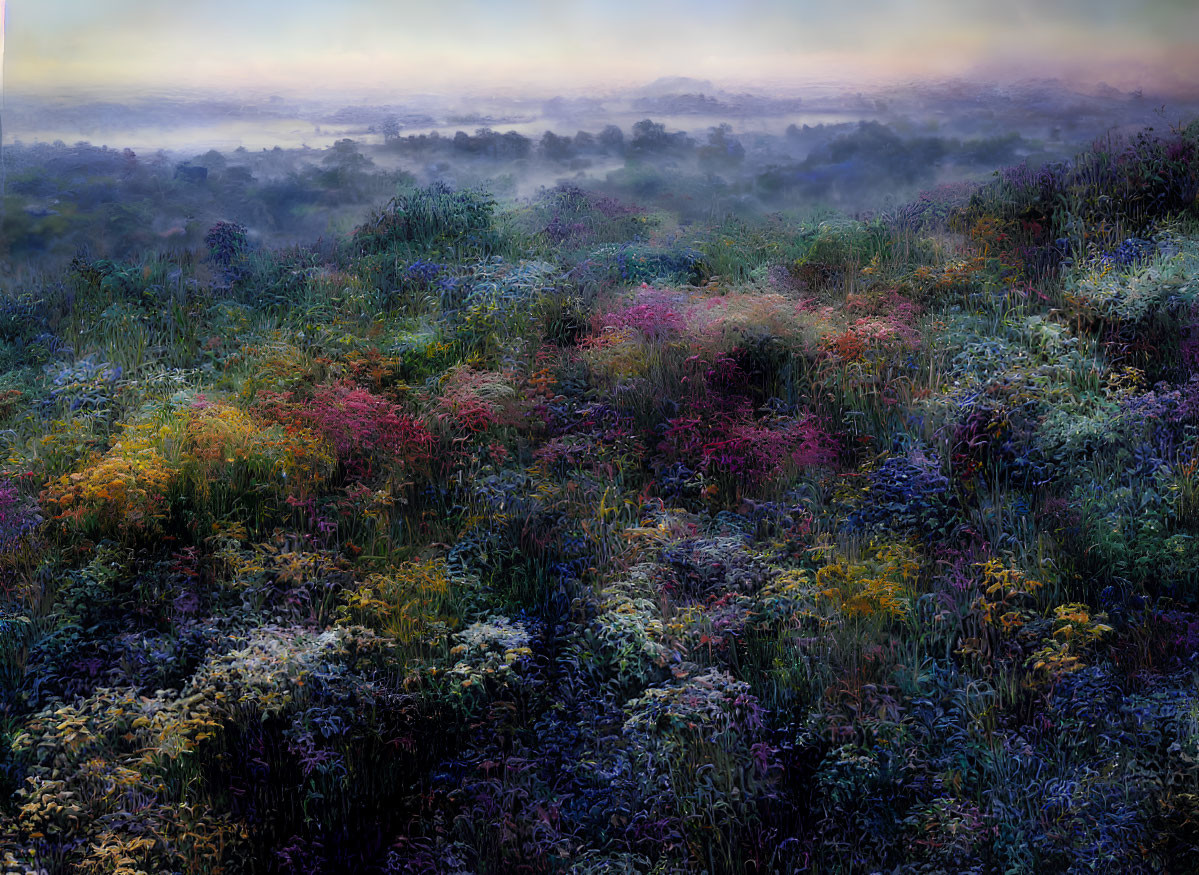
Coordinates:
(312, 46)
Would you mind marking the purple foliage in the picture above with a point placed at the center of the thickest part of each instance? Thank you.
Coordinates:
(19, 516)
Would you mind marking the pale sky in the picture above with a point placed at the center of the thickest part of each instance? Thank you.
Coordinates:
(320, 45)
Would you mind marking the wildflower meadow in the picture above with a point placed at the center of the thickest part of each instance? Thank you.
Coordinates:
(577, 531)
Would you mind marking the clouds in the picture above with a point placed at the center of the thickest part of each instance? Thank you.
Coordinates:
(305, 44)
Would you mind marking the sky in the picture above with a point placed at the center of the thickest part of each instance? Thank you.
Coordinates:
(325, 46)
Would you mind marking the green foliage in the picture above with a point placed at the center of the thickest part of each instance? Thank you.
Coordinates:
(434, 222)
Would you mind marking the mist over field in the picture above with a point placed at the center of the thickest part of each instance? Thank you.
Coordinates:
(594, 438)
(156, 171)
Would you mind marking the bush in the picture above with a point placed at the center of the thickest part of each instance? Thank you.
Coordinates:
(432, 222)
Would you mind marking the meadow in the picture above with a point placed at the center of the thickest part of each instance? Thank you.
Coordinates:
(643, 527)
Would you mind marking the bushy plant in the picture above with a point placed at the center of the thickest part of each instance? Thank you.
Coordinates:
(433, 222)
(122, 493)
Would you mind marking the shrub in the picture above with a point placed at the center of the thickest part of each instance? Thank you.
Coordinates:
(230, 459)
(123, 493)
(432, 222)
